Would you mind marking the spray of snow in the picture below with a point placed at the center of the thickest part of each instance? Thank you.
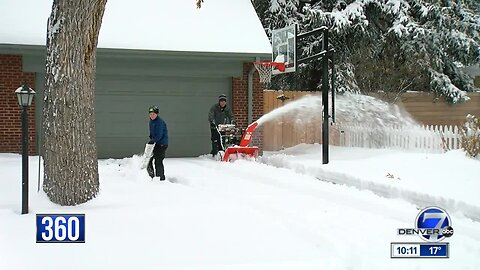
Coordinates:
(378, 123)
(303, 107)
(349, 108)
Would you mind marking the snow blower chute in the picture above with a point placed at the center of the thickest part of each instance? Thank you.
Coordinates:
(242, 150)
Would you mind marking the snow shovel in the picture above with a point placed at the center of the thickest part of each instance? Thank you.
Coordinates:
(243, 150)
(147, 154)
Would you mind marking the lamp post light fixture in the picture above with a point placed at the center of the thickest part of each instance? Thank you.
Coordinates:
(25, 97)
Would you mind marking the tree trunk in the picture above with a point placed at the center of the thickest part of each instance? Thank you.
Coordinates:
(70, 151)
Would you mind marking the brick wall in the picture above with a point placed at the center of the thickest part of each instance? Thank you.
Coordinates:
(240, 102)
(12, 77)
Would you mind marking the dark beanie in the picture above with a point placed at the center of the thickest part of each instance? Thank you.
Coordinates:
(153, 109)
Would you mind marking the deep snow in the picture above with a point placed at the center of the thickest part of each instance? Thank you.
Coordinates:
(241, 215)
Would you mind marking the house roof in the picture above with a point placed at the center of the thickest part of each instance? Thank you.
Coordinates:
(167, 25)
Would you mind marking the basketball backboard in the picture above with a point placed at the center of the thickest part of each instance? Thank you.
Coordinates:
(284, 44)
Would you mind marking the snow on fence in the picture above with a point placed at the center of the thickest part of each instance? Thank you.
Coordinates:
(416, 138)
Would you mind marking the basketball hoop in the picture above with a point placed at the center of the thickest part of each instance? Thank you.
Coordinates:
(265, 70)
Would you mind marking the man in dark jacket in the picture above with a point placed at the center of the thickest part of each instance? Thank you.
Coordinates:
(219, 114)
(159, 136)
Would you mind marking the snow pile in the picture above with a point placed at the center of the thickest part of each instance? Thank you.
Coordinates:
(452, 183)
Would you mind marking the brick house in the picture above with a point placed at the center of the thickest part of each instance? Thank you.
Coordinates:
(180, 73)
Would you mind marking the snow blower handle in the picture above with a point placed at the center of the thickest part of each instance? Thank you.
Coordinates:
(247, 137)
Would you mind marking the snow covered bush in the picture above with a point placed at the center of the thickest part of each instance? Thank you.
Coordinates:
(471, 136)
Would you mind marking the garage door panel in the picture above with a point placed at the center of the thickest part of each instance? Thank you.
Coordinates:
(160, 85)
(122, 118)
(179, 146)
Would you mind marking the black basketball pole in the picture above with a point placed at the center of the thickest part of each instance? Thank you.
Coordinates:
(325, 55)
(325, 84)
(332, 54)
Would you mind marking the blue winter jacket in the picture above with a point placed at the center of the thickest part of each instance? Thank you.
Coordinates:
(158, 131)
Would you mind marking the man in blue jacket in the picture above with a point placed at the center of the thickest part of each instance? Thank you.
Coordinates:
(159, 136)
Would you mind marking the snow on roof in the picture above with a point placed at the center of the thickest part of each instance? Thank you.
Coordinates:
(175, 25)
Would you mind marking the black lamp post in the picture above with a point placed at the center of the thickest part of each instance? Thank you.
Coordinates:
(25, 97)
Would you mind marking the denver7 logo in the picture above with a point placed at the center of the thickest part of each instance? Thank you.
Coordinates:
(433, 218)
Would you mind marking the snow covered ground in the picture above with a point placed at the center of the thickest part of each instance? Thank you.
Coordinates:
(449, 180)
(251, 215)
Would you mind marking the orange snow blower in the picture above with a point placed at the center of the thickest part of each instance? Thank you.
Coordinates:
(243, 149)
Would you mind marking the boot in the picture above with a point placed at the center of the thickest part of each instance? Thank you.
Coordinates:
(150, 171)
(214, 148)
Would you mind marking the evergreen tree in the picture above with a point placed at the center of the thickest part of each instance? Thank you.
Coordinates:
(385, 45)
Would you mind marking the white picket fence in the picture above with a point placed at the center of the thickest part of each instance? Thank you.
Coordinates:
(421, 138)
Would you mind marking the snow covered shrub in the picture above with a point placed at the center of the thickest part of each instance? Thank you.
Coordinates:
(471, 136)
